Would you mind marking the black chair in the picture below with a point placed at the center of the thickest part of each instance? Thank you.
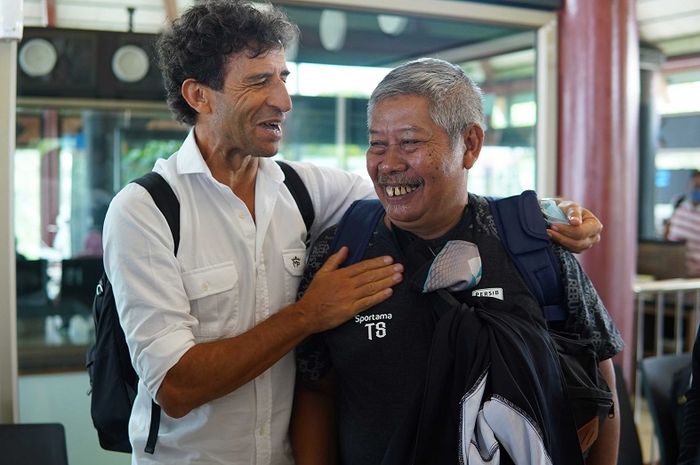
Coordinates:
(33, 444)
(32, 297)
(79, 277)
(630, 451)
(664, 379)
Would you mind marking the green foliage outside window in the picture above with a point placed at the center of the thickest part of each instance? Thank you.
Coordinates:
(137, 161)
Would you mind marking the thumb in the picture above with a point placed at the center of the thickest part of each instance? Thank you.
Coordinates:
(334, 261)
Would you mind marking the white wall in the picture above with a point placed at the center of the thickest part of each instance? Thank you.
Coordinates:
(63, 398)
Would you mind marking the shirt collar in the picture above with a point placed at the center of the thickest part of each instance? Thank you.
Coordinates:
(190, 161)
(189, 158)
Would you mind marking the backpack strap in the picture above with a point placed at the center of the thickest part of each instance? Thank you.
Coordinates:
(522, 229)
(356, 227)
(300, 193)
(166, 201)
(168, 204)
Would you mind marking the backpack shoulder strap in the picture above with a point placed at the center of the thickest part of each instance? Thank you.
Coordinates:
(166, 201)
(356, 227)
(300, 193)
(522, 229)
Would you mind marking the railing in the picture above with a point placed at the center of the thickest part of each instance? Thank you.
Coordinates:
(666, 304)
(684, 296)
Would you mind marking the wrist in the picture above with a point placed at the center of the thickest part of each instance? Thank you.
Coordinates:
(300, 317)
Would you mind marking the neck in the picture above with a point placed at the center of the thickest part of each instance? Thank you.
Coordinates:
(433, 231)
(235, 170)
(228, 166)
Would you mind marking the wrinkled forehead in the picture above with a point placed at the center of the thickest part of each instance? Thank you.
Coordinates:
(401, 110)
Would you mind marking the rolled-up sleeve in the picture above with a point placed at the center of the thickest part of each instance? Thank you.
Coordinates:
(588, 316)
(153, 306)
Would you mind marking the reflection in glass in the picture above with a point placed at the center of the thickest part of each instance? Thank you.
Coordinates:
(68, 165)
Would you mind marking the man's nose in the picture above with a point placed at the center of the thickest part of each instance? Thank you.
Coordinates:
(279, 97)
(393, 159)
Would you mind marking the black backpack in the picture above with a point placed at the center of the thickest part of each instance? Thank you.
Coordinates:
(113, 381)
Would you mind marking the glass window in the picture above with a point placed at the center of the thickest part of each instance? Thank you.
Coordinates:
(68, 165)
(678, 153)
(328, 124)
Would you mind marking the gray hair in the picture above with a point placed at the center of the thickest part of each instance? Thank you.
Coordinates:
(456, 102)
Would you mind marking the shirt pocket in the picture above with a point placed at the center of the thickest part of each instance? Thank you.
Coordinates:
(213, 295)
(294, 261)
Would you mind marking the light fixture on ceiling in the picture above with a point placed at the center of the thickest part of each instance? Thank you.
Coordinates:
(332, 28)
(130, 63)
(392, 25)
(37, 57)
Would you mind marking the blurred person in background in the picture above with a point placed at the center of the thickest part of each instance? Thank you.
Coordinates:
(684, 225)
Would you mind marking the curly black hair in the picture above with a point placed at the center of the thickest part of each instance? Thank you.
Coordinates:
(198, 43)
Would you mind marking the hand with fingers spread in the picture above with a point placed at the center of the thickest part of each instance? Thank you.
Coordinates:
(337, 294)
(581, 233)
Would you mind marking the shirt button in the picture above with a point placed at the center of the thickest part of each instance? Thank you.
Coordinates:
(241, 215)
(205, 286)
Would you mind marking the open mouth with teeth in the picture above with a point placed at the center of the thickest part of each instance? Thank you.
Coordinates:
(398, 191)
(272, 130)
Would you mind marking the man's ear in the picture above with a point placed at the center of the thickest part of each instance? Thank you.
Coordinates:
(196, 95)
(473, 137)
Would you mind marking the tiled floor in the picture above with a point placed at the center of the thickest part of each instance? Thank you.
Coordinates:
(647, 439)
(645, 429)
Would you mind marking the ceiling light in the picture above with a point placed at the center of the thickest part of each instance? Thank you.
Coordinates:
(332, 28)
(37, 57)
(392, 25)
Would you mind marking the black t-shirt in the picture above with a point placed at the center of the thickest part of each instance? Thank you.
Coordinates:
(380, 356)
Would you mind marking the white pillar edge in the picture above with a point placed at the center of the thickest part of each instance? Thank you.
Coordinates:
(547, 136)
(8, 297)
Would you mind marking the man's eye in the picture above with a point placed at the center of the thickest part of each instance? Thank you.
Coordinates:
(410, 144)
(376, 146)
(259, 82)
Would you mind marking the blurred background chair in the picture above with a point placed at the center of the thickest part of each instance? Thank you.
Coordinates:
(664, 380)
(630, 450)
(33, 303)
(33, 444)
(79, 277)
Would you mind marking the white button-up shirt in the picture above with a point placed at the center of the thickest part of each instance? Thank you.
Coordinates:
(230, 274)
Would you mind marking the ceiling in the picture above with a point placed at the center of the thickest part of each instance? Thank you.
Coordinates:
(673, 26)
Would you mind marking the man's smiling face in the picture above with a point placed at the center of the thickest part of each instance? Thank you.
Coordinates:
(250, 108)
(418, 172)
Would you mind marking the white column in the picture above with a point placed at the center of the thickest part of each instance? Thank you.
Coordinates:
(11, 24)
(8, 298)
(547, 129)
